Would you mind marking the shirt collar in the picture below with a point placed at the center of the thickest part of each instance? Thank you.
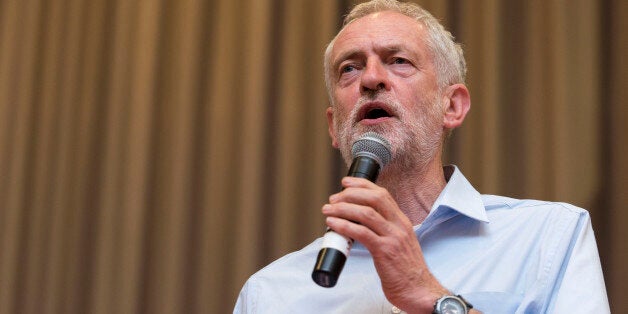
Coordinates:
(460, 196)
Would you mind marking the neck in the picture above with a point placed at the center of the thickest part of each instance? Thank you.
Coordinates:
(415, 190)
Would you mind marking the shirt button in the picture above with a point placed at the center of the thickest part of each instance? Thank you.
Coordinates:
(395, 310)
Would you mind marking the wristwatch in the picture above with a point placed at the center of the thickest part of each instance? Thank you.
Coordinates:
(451, 304)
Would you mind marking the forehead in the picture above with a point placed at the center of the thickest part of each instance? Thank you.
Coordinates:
(381, 30)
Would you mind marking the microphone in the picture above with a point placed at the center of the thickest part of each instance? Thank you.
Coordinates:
(371, 152)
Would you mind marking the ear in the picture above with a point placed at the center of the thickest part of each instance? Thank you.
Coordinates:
(330, 127)
(457, 104)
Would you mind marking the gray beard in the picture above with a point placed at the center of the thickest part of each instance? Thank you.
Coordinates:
(413, 145)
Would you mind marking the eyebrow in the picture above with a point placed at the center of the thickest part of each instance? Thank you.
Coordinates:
(349, 54)
(355, 52)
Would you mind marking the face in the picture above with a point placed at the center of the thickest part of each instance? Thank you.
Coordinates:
(383, 80)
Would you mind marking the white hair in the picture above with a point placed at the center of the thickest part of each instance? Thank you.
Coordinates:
(448, 56)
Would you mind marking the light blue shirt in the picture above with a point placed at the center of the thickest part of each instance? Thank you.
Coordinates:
(501, 254)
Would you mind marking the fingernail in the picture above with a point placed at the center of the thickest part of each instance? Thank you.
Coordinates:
(326, 208)
(333, 198)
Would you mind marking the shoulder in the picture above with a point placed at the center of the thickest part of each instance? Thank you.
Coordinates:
(286, 269)
(545, 219)
(292, 260)
(276, 285)
(502, 203)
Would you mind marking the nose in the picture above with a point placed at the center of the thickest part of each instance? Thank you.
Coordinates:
(374, 77)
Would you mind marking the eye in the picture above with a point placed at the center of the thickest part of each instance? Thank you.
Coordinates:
(398, 60)
(347, 69)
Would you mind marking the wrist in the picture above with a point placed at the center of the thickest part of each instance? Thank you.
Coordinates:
(425, 303)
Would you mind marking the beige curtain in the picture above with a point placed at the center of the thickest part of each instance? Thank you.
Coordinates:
(154, 154)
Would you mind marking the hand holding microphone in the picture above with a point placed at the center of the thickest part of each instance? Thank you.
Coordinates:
(371, 152)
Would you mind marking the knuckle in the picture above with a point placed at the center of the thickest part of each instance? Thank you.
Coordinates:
(381, 192)
(368, 214)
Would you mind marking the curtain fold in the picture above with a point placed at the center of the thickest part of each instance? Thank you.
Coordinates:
(154, 154)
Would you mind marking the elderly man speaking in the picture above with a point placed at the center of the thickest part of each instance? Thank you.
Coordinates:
(423, 239)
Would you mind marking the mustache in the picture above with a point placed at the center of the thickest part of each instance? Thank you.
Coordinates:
(392, 105)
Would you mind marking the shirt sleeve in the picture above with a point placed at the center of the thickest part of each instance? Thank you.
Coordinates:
(581, 288)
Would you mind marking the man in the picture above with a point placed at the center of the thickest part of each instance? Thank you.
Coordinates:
(425, 238)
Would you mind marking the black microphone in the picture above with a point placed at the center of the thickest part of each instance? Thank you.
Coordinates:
(371, 152)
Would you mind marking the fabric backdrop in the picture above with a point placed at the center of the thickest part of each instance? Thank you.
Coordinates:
(155, 153)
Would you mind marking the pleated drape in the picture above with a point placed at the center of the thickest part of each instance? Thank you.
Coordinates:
(154, 154)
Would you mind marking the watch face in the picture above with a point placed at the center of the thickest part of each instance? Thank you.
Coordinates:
(452, 306)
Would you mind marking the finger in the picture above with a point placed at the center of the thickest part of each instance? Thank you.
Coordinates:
(372, 196)
(347, 182)
(352, 182)
(352, 230)
(363, 215)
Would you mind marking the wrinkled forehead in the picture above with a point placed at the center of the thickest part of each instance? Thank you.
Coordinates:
(381, 29)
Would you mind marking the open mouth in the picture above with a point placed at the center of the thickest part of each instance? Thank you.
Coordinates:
(374, 111)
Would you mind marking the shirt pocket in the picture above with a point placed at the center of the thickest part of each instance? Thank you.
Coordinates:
(493, 302)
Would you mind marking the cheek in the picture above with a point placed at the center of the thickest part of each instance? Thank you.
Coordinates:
(346, 96)
(426, 109)
(344, 103)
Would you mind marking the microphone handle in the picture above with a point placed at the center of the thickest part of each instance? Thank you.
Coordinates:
(335, 248)
(364, 167)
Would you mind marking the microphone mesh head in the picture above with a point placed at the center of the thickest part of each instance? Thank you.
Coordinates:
(373, 145)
